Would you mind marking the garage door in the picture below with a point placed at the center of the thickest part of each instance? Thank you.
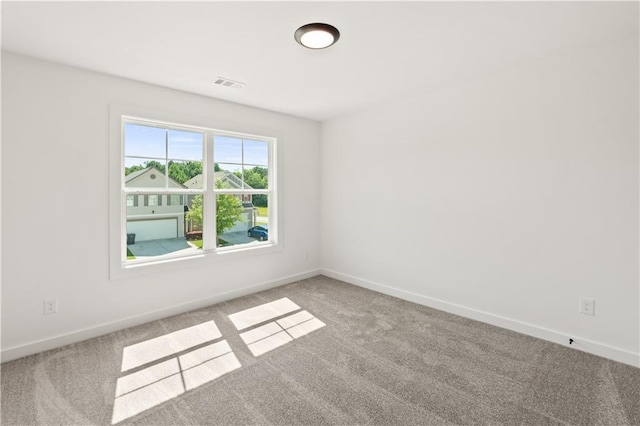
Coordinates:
(153, 229)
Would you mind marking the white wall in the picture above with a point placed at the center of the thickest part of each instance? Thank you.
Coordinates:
(504, 199)
(55, 125)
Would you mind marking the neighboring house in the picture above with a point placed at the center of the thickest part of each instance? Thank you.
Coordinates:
(232, 181)
(154, 216)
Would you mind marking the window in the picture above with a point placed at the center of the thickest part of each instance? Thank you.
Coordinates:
(132, 200)
(174, 200)
(193, 191)
(151, 200)
(241, 184)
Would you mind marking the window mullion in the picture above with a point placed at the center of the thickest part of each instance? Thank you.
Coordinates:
(208, 198)
(271, 185)
(166, 159)
(242, 168)
(123, 227)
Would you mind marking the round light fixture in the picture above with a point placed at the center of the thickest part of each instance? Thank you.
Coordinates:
(317, 35)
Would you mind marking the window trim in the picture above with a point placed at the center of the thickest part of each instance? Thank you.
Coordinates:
(118, 266)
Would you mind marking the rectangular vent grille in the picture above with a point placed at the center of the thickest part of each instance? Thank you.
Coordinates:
(221, 81)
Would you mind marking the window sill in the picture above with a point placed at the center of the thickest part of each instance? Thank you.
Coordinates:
(167, 263)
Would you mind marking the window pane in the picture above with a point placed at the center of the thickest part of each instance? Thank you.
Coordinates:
(144, 141)
(227, 150)
(160, 228)
(185, 145)
(239, 220)
(256, 153)
(247, 159)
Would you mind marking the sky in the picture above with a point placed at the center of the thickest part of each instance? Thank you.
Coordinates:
(230, 153)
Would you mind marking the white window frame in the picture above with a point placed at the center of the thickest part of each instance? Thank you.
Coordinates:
(120, 267)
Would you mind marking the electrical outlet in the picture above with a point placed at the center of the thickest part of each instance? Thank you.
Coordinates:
(306, 254)
(587, 306)
(50, 306)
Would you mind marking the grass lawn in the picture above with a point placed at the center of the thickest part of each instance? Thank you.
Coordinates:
(263, 211)
(129, 254)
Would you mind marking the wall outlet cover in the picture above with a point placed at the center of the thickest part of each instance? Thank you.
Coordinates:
(587, 306)
(50, 306)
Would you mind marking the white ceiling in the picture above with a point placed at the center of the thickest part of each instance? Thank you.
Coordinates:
(386, 49)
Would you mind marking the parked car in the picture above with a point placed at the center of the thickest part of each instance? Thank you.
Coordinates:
(259, 232)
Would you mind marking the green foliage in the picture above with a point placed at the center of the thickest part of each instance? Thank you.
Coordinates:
(260, 200)
(178, 171)
(186, 170)
(195, 211)
(129, 170)
(151, 163)
(228, 210)
(258, 178)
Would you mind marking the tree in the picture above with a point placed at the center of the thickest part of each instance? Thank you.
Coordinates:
(183, 171)
(195, 211)
(129, 170)
(180, 171)
(176, 172)
(151, 163)
(257, 178)
(228, 210)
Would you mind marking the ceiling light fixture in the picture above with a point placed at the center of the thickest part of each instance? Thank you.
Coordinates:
(317, 36)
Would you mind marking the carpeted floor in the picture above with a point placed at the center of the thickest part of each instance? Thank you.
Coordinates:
(377, 360)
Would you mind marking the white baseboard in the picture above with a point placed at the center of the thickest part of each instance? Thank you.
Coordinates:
(88, 333)
(554, 336)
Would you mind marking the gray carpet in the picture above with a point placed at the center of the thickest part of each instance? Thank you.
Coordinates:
(378, 360)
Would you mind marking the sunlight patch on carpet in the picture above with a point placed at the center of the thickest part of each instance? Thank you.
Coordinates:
(161, 381)
(259, 314)
(154, 349)
(277, 333)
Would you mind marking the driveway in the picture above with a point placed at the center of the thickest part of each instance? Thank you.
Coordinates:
(172, 245)
(159, 247)
(234, 238)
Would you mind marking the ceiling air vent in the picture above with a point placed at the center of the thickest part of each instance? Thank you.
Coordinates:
(221, 81)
